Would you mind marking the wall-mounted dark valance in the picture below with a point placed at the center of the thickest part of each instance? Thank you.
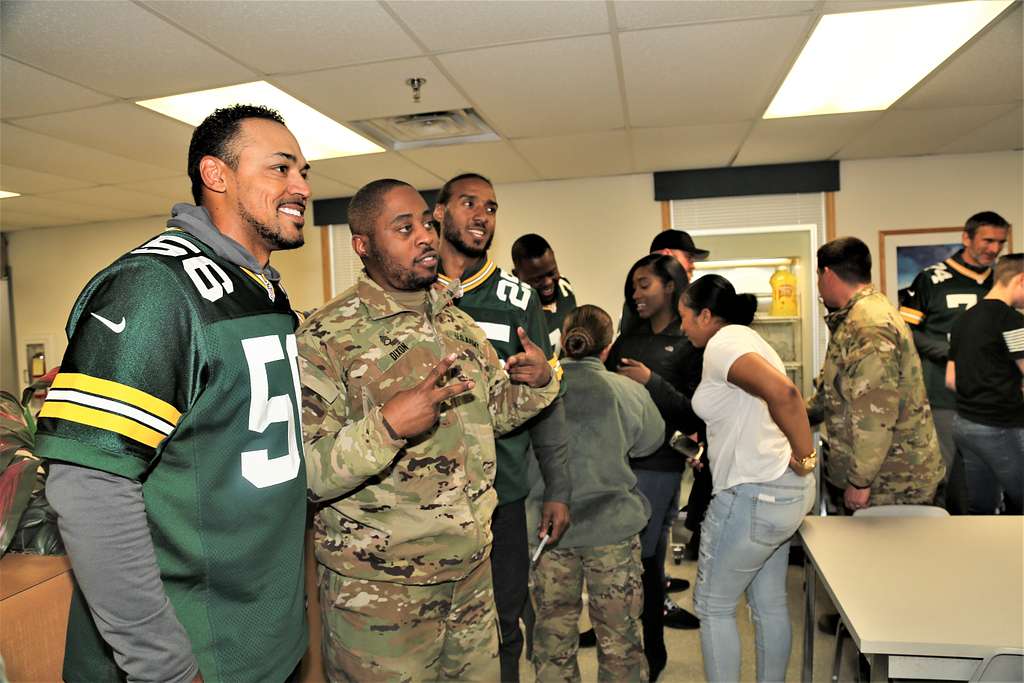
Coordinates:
(335, 211)
(811, 176)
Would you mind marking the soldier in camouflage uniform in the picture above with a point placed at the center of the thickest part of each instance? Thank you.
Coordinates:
(877, 421)
(402, 397)
(609, 419)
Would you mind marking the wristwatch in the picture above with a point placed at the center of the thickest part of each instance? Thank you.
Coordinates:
(808, 462)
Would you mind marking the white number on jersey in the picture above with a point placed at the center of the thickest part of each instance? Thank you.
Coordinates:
(565, 287)
(958, 300)
(209, 278)
(264, 410)
(513, 291)
(167, 245)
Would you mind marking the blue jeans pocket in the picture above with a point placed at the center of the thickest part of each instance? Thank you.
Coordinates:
(775, 517)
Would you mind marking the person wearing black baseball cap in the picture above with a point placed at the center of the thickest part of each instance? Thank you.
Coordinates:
(679, 245)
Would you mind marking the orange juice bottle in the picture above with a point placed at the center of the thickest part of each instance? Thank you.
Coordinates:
(783, 284)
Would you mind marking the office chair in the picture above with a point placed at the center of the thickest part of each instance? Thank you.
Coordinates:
(1003, 665)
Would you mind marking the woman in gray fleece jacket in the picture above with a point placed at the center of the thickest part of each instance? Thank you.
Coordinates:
(610, 419)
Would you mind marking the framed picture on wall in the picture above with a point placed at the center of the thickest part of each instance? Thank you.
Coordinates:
(904, 253)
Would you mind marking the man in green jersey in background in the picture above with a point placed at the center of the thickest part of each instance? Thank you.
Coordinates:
(932, 303)
(499, 303)
(533, 262)
(173, 431)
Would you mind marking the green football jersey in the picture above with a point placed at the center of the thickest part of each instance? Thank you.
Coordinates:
(557, 311)
(499, 303)
(932, 303)
(181, 373)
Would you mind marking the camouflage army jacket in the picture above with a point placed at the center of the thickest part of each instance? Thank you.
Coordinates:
(878, 423)
(414, 511)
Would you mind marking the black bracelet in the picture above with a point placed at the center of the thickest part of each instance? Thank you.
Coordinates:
(391, 430)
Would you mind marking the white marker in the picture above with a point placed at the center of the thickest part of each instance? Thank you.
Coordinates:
(543, 542)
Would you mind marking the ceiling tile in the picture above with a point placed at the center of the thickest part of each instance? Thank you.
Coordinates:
(681, 147)
(538, 89)
(578, 156)
(1006, 132)
(35, 152)
(842, 6)
(723, 85)
(277, 37)
(62, 209)
(24, 181)
(919, 131)
(462, 25)
(633, 14)
(373, 90)
(173, 190)
(115, 47)
(805, 138)
(989, 71)
(25, 91)
(495, 160)
(115, 198)
(357, 171)
(127, 130)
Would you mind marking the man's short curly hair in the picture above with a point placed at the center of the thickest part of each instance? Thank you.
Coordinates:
(216, 137)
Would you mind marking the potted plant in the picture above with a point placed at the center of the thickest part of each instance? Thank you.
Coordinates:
(27, 522)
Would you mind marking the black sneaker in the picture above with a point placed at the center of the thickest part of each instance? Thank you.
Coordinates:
(588, 638)
(674, 585)
(677, 617)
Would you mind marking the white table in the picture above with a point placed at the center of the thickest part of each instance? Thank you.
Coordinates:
(923, 597)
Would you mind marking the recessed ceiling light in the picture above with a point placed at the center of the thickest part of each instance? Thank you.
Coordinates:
(4, 194)
(319, 136)
(865, 61)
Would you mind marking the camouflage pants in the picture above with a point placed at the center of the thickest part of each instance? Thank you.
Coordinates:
(615, 600)
(382, 631)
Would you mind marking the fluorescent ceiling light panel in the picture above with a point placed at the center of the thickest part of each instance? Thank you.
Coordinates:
(4, 194)
(865, 61)
(319, 136)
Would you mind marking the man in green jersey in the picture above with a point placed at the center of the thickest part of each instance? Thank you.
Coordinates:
(935, 300)
(173, 431)
(500, 304)
(402, 396)
(533, 262)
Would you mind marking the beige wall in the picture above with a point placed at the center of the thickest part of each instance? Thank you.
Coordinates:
(597, 226)
(928, 192)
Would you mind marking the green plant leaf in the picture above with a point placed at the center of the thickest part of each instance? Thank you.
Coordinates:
(16, 483)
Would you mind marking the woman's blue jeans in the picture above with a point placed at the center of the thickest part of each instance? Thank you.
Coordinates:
(744, 546)
(993, 463)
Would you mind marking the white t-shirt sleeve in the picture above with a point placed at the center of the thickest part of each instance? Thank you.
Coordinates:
(728, 344)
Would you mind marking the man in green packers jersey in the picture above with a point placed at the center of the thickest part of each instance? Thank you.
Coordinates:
(935, 300)
(501, 304)
(402, 396)
(533, 262)
(172, 431)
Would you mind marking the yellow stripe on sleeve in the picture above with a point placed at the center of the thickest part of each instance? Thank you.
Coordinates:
(912, 316)
(557, 367)
(102, 420)
(119, 392)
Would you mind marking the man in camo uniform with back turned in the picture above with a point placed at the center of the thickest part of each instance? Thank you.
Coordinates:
(877, 421)
(402, 398)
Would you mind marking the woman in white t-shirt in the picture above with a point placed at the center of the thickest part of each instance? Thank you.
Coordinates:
(756, 424)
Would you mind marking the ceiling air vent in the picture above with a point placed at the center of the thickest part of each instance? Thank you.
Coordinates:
(431, 129)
